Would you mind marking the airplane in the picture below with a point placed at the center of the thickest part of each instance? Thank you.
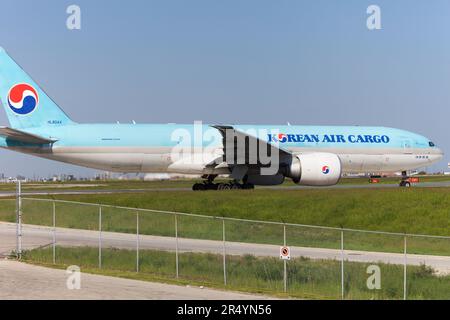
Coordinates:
(249, 154)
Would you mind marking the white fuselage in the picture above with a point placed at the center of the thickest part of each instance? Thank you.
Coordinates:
(153, 160)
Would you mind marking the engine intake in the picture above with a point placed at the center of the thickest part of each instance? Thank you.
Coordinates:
(315, 169)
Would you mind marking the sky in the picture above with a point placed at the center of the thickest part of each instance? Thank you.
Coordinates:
(311, 62)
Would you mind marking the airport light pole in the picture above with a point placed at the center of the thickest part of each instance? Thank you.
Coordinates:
(176, 245)
(137, 242)
(19, 219)
(54, 232)
(404, 268)
(285, 261)
(100, 237)
(342, 266)
(224, 253)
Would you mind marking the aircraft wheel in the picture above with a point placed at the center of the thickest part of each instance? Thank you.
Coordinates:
(198, 187)
(236, 186)
(211, 186)
(226, 186)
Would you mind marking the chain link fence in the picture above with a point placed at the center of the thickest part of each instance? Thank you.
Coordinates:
(239, 254)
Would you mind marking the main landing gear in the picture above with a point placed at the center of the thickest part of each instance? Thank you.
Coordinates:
(208, 184)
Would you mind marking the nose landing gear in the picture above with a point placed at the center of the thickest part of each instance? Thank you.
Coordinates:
(406, 180)
(405, 183)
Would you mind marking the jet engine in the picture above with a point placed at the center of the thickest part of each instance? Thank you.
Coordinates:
(315, 169)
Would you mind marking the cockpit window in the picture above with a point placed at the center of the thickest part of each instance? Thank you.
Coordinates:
(431, 144)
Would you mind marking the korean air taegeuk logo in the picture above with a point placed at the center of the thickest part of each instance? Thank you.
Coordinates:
(23, 99)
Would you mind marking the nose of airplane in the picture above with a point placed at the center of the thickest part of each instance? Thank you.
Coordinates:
(436, 155)
(440, 154)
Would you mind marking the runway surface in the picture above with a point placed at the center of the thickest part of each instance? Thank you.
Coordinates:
(38, 236)
(442, 184)
(24, 282)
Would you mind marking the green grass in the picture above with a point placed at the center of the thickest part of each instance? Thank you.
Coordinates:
(415, 211)
(307, 278)
(178, 183)
(98, 185)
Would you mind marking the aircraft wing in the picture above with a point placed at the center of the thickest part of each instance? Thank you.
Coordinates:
(251, 151)
(21, 136)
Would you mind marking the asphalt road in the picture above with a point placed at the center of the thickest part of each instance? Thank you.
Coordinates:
(4, 194)
(37, 236)
(20, 281)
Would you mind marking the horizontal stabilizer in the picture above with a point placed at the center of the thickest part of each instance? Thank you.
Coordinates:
(22, 136)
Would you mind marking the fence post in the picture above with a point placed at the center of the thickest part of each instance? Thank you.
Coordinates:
(100, 237)
(404, 268)
(224, 253)
(54, 232)
(342, 266)
(176, 245)
(285, 262)
(137, 241)
(19, 220)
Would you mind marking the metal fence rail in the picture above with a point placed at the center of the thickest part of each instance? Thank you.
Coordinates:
(236, 241)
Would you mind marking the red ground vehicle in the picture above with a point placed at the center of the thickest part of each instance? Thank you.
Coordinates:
(408, 181)
(405, 182)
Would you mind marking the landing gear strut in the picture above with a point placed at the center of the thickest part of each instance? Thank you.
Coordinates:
(208, 184)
